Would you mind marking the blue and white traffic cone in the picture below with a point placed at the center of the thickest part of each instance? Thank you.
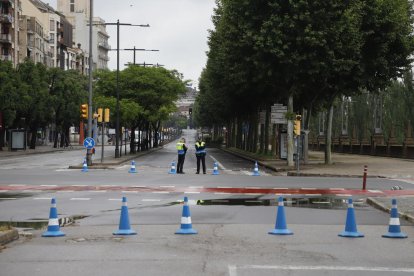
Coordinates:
(53, 229)
(281, 226)
(132, 169)
(256, 170)
(124, 227)
(215, 169)
(186, 226)
(85, 166)
(394, 229)
(173, 170)
(350, 226)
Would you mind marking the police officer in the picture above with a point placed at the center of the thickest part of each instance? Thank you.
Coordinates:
(181, 150)
(200, 147)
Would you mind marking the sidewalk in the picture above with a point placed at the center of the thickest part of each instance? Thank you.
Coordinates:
(348, 165)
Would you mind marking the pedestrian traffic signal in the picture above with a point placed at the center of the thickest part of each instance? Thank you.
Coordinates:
(106, 115)
(100, 115)
(296, 127)
(84, 111)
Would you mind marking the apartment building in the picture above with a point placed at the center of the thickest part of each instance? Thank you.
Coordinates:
(9, 30)
(77, 13)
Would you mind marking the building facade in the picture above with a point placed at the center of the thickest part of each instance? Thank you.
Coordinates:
(10, 11)
(77, 13)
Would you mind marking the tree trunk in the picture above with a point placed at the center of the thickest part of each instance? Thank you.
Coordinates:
(290, 134)
(266, 131)
(33, 138)
(328, 142)
(132, 144)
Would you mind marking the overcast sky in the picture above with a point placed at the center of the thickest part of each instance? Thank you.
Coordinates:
(179, 29)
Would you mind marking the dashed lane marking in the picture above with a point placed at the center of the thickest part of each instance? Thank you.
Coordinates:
(80, 198)
(17, 185)
(42, 198)
(218, 163)
(151, 200)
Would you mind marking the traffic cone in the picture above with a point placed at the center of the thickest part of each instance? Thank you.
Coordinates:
(256, 170)
(85, 166)
(350, 226)
(172, 170)
(394, 229)
(132, 169)
(124, 227)
(281, 226)
(215, 169)
(186, 226)
(53, 229)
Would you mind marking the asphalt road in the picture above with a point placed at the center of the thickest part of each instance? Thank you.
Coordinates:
(232, 225)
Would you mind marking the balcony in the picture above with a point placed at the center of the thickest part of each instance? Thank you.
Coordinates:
(6, 38)
(6, 18)
(104, 45)
(104, 57)
(6, 58)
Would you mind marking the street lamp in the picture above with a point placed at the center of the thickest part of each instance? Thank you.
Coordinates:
(117, 79)
(89, 151)
(135, 49)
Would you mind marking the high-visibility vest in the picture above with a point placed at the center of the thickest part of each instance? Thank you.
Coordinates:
(180, 148)
(200, 148)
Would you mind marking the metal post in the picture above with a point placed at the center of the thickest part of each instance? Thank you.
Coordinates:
(103, 130)
(89, 151)
(134, 54)
(117, 92)
(297, 154)
(364, 178)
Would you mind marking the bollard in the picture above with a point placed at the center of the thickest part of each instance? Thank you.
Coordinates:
(364, 178)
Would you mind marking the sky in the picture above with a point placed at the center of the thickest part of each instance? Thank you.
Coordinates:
(178, 29)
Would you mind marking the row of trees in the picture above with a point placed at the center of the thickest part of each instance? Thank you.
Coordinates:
(33, 97)
(307, 52)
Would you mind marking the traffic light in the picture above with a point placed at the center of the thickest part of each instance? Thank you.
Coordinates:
(84, 111)
(296, 127)
(100, 115)
(106, 119)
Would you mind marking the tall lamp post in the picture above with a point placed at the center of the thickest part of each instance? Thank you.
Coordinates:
(89, 151)
(117, 79)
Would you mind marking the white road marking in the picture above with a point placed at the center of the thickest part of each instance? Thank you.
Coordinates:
(160, 192)
(7, 198)
(48, 185)
(16, 185)
(98, 191)
(343, 195)
(68, 191)
(280, 188)
(115, 199)
(222, 193)
(130, 192)
(167, 186)
(138, 186)
(4, 191)
(340, 189)
(191, 192)
(79, 185)
(253, 188)
(80, 198)
(308, 188)
(196, 187)
(151, 200)
(218, 163)
(375, 191)
(233, 269)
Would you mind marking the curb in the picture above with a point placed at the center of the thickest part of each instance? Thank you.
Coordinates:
(8, 236)
(380, 206)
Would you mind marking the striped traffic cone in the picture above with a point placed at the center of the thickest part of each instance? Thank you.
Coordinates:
(281, 226)
(256, 170)
(173, 169)
(350, 226)
(53, 229)
(215, 169)
(124, 226)
(85, 166)
(132, 169)
(394, 229)
(186, 226)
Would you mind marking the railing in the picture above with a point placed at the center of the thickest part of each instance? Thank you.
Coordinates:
(6, 18)
(6, 37)
(104, 45)
(6, 58)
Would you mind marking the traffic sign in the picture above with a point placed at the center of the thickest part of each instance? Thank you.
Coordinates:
(89, 143)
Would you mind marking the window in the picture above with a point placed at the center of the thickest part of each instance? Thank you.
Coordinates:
(72, 5)
(52, 25)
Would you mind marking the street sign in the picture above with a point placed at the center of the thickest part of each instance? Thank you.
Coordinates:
(89, 143)
(277, 115)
